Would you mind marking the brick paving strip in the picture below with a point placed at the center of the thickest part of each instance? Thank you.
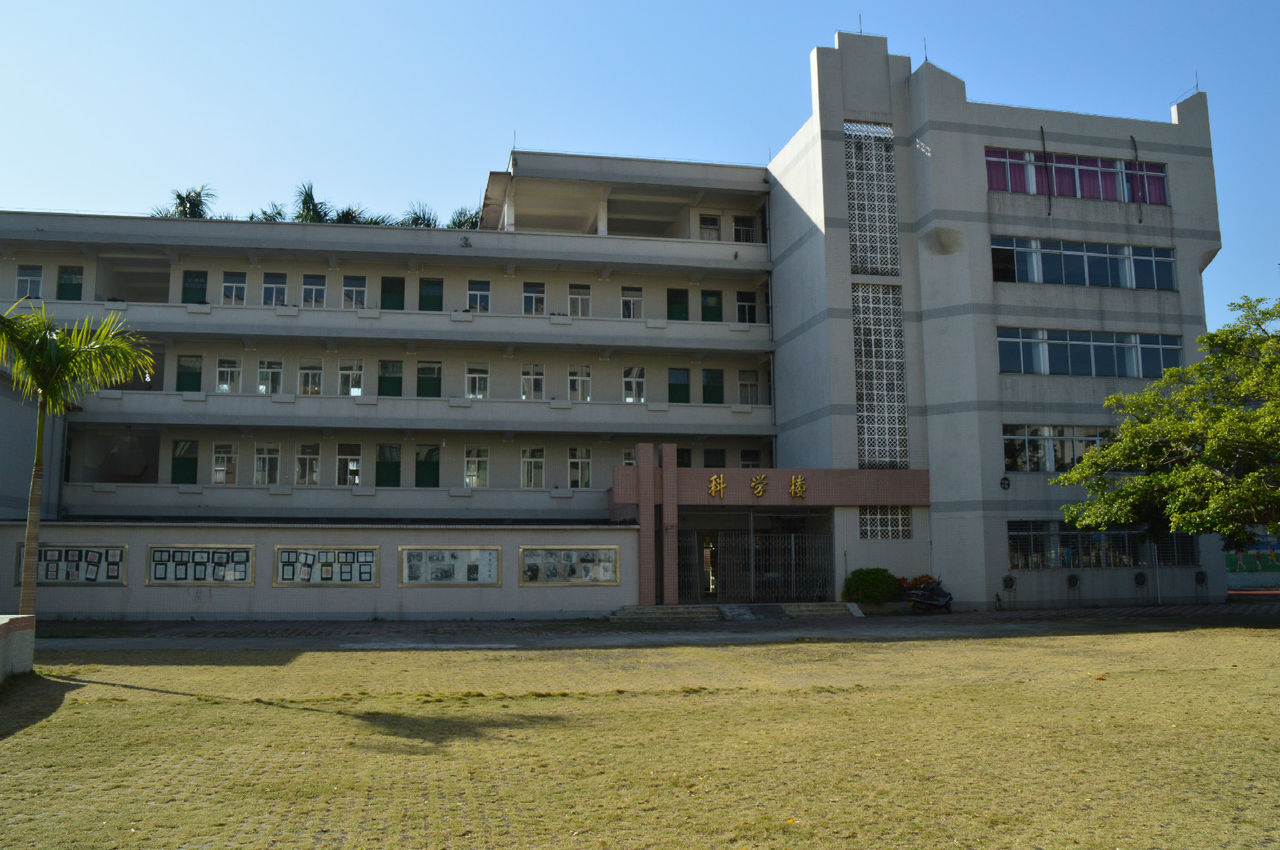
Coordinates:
(568, 634)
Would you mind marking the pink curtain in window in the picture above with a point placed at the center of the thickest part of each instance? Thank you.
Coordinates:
(1155, 185)
(1110, 180)
(1042, 174)
(1090, 180)
(997, 175)
(1017, 174)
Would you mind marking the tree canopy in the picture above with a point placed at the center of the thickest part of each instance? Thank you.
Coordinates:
(1198, 450)
(195, 202)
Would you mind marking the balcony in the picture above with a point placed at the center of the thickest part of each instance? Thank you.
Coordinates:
(317, 503)
(421, 414)
(186, 320)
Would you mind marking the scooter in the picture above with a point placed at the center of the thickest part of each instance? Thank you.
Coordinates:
(929, 598)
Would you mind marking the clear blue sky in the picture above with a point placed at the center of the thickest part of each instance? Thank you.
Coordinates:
(109, 107)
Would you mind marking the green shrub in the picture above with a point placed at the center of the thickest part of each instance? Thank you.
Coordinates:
(873, 586)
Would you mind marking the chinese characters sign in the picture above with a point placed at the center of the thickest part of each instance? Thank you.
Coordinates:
(716, 486)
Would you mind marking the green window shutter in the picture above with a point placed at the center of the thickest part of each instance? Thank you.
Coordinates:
(386, 472)
(678, 386)
(426, 467)
(684, 458)
(712, 307)
(189, 369)
(185, 457)
(393, 293)
(194, 285)
(429, 380)
(678, 305)
(430, 295)
(390, 378)
(70, 283)
(713, 386)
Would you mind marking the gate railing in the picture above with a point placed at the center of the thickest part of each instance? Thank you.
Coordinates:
(776, 568)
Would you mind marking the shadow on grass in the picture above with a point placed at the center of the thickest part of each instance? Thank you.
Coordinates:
(27, 699)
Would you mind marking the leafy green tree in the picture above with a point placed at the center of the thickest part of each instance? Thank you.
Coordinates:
(419, 215)
(1198, 450)
(273, 212)
(308, 209)
(465, 218)
(196, 202)
(56, 366)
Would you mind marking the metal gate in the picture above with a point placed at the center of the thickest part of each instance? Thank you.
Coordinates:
(778, 568)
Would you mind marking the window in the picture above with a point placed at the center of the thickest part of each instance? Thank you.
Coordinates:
(684, 458)
(28, 282)
(306, 470)
(1018, 260)
(194, 286)
(476, 471)
(390, 378)
(744, 228)
(477, 380)
(266, 465)
(632, 302)
(531, 466)
(678, 305)
(579, 383)
(535, 299)
(185, 457)
(748, 386)
(749, 459)
(348, 465)
(393, 293)
(1104, 355)
(426, 466)
(713, 386)
(712, 306)
(678, 386)
(353, 291)
(228, 375)
(386, 470)
(628, 457)
(313, 290)
(746, 307)
(883, 522)
(428, 379)
(1048, 544)
(633, 385)
(531, 380)
(233, 289)
(579, 468)
(70, 283)
(224, 463)
(713, 458)
(1070, 176)
(350, 377)
(430, 294)
(274, 289)
(709, 227)
(310, 376)
(478, 296)
(1049, 448)
(579, 299)
(270, 376)
(189, 368)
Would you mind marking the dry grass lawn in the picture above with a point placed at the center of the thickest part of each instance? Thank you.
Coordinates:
(1142, 740)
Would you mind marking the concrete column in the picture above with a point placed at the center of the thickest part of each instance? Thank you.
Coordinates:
(648, 566)
(670, 527)
(602, 218)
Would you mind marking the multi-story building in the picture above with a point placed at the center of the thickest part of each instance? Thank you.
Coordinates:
(638, 381)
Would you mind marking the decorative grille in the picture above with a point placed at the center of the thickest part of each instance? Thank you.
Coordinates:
(884, 523)
(873, 199)
(879, 373)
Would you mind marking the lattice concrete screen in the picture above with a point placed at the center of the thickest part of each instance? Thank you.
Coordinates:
(884, 523)
(879, 373)
(873, 199)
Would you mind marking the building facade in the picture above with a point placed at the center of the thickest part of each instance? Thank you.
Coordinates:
(639, 381)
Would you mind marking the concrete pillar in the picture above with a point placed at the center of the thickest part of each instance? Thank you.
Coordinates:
(602, 218)
(670, 527)
(647, 569)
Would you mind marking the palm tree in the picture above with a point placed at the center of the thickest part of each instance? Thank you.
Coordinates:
(195, 202)
(308, 209)
(419, 215)
(57, 366)
(465, 218)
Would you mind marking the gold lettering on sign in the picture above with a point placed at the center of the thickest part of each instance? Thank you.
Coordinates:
(759, 483)
(798, 487)
(715, 486)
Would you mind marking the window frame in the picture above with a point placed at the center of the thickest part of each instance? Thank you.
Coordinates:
(580, 300)
(390, 378)
(427, 367)
(533, 462)
(275, 289)
(579, 461)
(235, 286)
(534, 299)
(351, 376)
(273, 369)
(579, 383)
(28, 283)
(633, 385)
(308, 368)
(226, 368)
(475, 468)
(477, 381)
(347, 472)
(532, 382)
(313, 290)
(224, 466)
(478, 295)
(265, 472)
(632, 303)
(306, 465)
(355, 291)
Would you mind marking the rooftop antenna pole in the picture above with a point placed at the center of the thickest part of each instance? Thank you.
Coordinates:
(859, 23)
(926, 50)
(1197, 81)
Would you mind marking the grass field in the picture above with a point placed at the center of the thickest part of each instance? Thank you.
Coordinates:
(1139, 740)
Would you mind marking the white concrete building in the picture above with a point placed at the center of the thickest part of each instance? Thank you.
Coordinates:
(639, 381)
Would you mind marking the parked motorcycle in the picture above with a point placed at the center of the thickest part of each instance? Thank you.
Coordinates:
(929, 598)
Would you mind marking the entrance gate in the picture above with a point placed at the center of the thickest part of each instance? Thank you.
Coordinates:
(723, 567)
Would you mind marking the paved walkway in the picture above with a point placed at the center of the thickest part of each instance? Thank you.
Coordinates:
(569, 634)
